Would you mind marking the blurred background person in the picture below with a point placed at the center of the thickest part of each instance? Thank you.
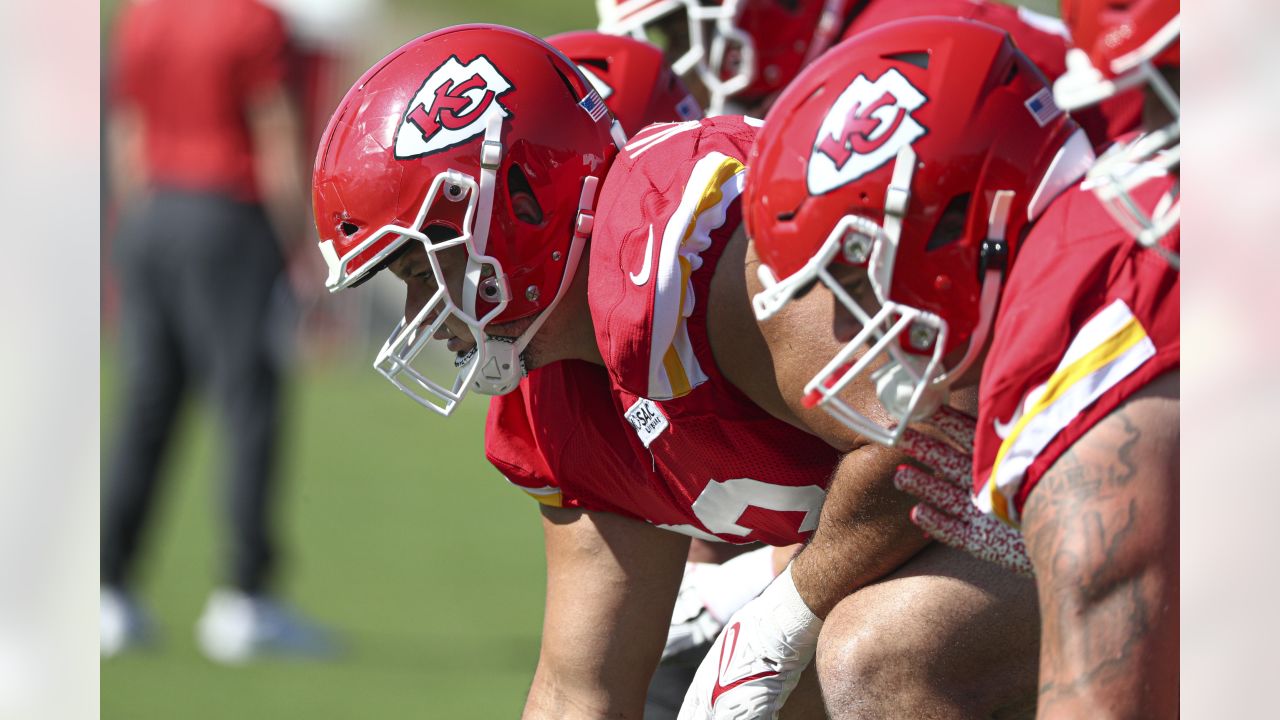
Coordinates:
(205, 148)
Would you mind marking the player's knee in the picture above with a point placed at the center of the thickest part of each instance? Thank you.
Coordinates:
(871, 665)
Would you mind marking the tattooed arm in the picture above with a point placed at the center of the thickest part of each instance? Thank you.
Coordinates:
(1102, 531)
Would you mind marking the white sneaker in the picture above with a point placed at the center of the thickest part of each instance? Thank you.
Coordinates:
(122, 622)
(236, 627)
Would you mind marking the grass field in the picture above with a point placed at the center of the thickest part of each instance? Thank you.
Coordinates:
(400, 537)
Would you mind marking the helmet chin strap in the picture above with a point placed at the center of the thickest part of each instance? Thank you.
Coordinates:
(501, 364)
(912, 394)
(896, 199)
(490, 159)
(994, 261)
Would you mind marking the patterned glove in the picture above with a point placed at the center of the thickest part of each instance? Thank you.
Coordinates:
(947, 512)
(756, 662)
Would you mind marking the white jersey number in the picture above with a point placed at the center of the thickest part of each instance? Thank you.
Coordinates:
(721, 504)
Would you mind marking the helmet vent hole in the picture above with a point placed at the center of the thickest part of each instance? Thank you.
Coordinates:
(919, 59)
(568, 84)
(349, 229)
(524, 204)
(950, 227)
(597, 63)
(1013, 73)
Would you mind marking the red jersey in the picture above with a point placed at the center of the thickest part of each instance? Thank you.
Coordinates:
(657, 433)
(1043, 39)
(192, 68)
(1088, 318)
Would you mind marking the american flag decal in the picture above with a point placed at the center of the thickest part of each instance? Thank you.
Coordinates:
(594, 106)
(1042, 107)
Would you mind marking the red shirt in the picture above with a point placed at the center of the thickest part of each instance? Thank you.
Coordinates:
(1088, 318)
(191, 68)
(658, 434)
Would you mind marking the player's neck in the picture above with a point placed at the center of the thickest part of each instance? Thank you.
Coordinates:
(569, 333)
(579, 331)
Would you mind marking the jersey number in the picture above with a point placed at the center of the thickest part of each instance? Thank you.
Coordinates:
(721, 505)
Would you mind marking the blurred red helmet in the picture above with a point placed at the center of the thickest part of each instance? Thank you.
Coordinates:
(632, 76)
(1108, 31)
(1122, 44)
(740, 50)
(919, 150)
(476, 137)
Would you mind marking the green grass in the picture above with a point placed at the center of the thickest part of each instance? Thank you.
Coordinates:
(399, 536)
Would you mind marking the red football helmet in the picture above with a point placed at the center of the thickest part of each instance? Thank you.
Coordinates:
(743, 50)
(477, 137)
(632, 76)
(920, 151)
(1121, 44)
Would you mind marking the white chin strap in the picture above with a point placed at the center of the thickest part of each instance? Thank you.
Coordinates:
(501, 365)
(494, 365)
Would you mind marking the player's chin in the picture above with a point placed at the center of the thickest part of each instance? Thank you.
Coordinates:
(532, 359)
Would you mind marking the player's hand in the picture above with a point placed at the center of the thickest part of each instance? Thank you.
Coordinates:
(947, 511)
(692, 623)
(757, 660)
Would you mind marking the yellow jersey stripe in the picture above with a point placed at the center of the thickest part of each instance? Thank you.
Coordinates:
(713, 185)
(1109, 361)
(676, 376)
(555, 499)
(547, 494)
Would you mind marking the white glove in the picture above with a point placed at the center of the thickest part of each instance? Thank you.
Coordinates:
(947, 511)
(756, 662)
(710, 593)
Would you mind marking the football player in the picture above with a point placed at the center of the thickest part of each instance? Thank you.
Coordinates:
(636, 83)
(958, 261)
(741, 53)
(482, 168)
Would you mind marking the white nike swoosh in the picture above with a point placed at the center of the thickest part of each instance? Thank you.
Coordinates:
(1002, 428)
(643, 277)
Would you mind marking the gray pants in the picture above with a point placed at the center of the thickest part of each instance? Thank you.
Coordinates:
(201, 295)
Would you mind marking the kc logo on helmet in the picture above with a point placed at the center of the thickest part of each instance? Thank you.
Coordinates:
(863, 130)
(452, 106)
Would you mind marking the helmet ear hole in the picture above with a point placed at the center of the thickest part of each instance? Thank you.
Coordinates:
(951, 224)
(524, 204)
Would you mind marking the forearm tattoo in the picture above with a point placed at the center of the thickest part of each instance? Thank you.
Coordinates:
(1088, 545)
